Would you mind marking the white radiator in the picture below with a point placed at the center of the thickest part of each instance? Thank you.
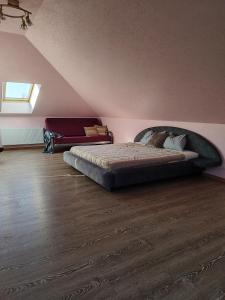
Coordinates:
(21, 136)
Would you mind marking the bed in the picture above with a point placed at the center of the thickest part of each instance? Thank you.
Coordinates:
(149, 165)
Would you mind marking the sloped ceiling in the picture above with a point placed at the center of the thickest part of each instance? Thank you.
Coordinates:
(21, 62)
(152, 59)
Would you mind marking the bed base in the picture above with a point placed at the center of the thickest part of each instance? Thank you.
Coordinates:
(209, 157)
(121, 177)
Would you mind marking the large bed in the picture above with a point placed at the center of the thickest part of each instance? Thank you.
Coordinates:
(118, 165)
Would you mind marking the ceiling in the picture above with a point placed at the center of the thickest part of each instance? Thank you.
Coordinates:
(13, 25)
(149, 59)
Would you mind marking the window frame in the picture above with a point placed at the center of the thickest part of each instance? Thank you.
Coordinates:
(16, 100)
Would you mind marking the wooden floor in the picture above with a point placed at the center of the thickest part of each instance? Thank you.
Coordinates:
(63, 237)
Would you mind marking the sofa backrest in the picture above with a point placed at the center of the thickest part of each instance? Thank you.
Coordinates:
(70, 126)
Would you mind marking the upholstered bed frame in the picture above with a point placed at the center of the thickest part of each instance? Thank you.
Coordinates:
(112, 179)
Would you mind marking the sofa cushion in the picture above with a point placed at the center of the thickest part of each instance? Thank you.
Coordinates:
(70, 126)
(82, 139)
(102, 130)
(90, 131)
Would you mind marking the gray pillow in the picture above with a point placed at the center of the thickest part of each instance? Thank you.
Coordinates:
(175, 142)
(147, 137)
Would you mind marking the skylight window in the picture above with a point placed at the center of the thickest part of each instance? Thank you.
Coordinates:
(13, 91)
(19, 98)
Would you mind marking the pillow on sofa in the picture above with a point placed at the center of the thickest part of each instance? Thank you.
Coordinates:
(146, 137)
(101, 130)
(175, 142)
(90, 131)
(158, 139)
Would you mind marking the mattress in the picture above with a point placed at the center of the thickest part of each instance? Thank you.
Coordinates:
(129, 154)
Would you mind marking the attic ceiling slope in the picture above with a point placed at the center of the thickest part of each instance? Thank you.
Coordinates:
(21, 62)
(150, 59)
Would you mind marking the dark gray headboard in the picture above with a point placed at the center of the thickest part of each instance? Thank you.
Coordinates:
(209, 156)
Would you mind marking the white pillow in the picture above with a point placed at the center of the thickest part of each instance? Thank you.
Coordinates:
(175, 142)
(147, 137)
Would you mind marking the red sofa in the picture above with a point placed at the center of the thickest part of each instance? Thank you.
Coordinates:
(70, 131)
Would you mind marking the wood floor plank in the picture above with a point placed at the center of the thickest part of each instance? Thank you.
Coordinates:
(64, 237)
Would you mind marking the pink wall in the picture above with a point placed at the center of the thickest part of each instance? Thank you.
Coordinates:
(21, 122)
(126, 129)
(20, 61)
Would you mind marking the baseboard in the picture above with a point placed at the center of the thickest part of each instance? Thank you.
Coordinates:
(23, 147)
(214, 177)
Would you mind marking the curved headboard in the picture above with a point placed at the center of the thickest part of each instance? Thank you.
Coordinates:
(209, 156)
